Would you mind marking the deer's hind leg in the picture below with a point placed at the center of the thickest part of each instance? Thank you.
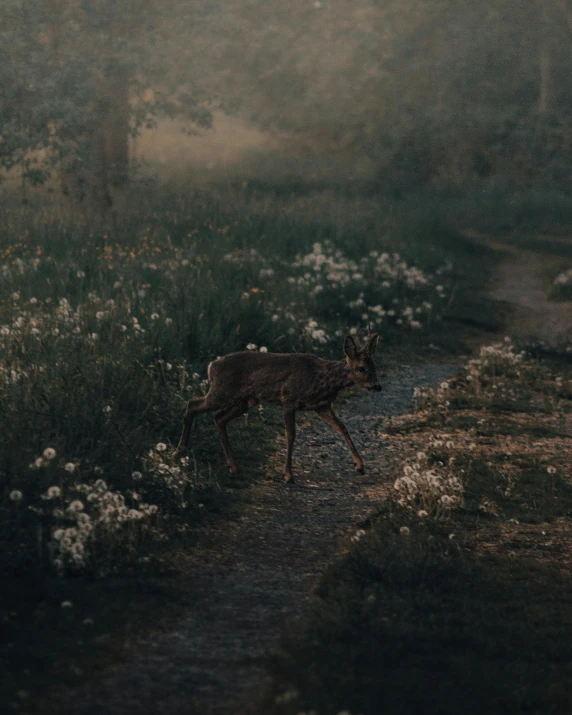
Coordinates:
(221, 420)
(327, 415)
(194, 407)
(290, 425)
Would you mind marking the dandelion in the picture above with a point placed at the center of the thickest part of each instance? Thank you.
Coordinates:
(53, 492)
(251, 346)
(38, 462)
(49, 453)
(136, 475)
(160, 447)
(33, 301)
(80, 274)
(422, 514)
(551, 470)
(16, 495)
(263, 349)
(58, 534)
(168, 321)
(76, 506)
(100, 315)
(154, 316)
(70, 467)
(66, 604)
(404, 531)
(107, 409)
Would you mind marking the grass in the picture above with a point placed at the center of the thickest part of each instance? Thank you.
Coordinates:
(468, 610)
(106, 332)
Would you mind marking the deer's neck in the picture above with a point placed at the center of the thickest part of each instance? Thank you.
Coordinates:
(338, 376)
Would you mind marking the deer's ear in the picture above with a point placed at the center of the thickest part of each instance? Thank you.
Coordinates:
(350, 347)
(372, 344)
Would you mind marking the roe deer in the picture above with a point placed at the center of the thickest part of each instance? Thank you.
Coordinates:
(299, 381)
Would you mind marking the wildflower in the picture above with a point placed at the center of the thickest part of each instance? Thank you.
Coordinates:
(38, 462)
(422, 513)
(33, 301)
(80, 274)
(70, 467)
(168, 321)
(76, 506)
(251, 346)
(107, 409)
(49, 453)
(154, 316)
(16, 495)
(58, 534)
(99, 472)
(160, 447)
(551, 470)
(136, 475)
(404, 531)
(53, 492)
(66, 604)
(263, 349)
(15, 295)
(100, 315)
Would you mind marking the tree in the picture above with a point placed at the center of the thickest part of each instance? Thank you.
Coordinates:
(77, 76)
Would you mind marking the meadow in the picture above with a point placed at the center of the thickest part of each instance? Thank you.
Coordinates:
(106, 334)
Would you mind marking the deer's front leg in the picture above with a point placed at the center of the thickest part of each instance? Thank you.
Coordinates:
(290, 424)
(328, 416)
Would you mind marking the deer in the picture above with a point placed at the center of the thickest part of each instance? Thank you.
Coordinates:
(297, 381)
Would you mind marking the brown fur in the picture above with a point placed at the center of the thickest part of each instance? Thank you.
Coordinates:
(298, 381)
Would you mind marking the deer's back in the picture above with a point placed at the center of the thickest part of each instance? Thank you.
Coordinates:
(296, 378)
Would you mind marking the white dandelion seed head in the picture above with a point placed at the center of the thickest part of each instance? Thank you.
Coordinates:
(16, 495)
(49, 453)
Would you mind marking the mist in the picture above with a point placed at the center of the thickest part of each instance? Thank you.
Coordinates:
(285, 357)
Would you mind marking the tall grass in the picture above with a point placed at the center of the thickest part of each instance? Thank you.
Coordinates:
(106, 333)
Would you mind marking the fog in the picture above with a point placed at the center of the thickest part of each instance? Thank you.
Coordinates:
(410, 94)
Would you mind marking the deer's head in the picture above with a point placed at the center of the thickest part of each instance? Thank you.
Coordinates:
(360, 363)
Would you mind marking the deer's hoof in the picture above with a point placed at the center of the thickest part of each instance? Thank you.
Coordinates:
(288, 477)
(233, 468)
(360, 469)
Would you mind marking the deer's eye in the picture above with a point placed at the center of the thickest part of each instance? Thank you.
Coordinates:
(361, 369)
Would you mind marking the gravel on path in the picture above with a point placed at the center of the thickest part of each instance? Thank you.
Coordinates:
(254, 575)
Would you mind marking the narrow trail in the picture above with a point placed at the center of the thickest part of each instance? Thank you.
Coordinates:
(520, 280)
(254, 576)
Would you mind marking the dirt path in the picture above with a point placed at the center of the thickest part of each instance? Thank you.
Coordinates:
(521, 281)
(255, 575)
